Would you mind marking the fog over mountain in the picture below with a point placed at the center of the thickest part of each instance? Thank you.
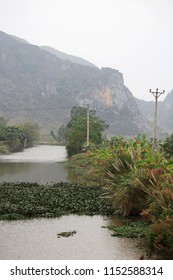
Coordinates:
(37, 84)
(69, 57)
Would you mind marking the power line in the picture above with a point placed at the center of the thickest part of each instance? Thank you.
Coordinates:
(156, 94)
(88, 126)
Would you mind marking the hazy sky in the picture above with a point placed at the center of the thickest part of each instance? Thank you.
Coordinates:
(132, 36)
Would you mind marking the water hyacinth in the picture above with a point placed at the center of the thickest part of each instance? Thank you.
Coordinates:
(29, 200)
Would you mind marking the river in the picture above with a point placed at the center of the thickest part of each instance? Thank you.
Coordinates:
(42, 164)
(37, 238)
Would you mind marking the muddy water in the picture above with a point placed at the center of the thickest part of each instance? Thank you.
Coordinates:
(42, 164)
(37, 238)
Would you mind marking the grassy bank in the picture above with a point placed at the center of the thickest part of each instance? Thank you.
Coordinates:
(28, 200)
(86, 168)
(141, 185)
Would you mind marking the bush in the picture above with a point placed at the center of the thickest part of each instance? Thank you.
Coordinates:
(3, 149)
(167, 147)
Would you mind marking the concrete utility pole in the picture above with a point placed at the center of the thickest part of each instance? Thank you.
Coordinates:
(156, 95)
(88, 126)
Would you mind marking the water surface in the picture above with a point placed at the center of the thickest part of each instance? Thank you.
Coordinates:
(37, 238)
(42, 164)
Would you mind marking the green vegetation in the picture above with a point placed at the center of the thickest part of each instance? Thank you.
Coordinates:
(66, 233)
(119, 176)
(16, 138)
(141, 185)
(167, 147)
(131, 230)
(31, 133)
(28, 200)
(75, 132)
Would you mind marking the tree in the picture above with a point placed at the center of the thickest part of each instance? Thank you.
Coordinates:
(61, 135)
(52, 134)
(32, 133)
(76, 130)
(3, 126)
(15, 138)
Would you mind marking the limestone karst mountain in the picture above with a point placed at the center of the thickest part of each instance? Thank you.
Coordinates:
(65, 56)
(36, 85)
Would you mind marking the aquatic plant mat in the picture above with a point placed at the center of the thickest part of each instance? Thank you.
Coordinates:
(66, 233)
(30, 200)
(131, 229)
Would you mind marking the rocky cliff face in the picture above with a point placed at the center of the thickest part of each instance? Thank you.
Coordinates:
(115, 104)
(38, 86)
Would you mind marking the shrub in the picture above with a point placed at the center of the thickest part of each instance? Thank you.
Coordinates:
(167, 147)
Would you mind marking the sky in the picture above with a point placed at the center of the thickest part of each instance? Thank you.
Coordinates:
(132, 36)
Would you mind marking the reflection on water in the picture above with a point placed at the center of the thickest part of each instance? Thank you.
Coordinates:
(37, 239)
(42, 164)
(32, 172)
(42, 153)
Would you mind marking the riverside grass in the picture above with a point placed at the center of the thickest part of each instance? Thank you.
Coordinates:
(31, 200)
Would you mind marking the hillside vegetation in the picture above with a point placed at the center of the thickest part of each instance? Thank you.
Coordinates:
(16, 138)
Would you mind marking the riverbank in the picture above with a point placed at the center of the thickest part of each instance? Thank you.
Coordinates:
(136, 184)
(42, 164)
(140, 183)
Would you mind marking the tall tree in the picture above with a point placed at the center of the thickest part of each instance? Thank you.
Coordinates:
(76, 130)
(32, 133)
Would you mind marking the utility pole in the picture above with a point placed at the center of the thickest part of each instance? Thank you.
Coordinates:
(156, 94)
(88, 126)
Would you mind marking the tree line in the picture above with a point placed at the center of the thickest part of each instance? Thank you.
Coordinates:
(16, 138)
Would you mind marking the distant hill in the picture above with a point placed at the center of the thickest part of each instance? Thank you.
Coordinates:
(38, 86)
(164, 112)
